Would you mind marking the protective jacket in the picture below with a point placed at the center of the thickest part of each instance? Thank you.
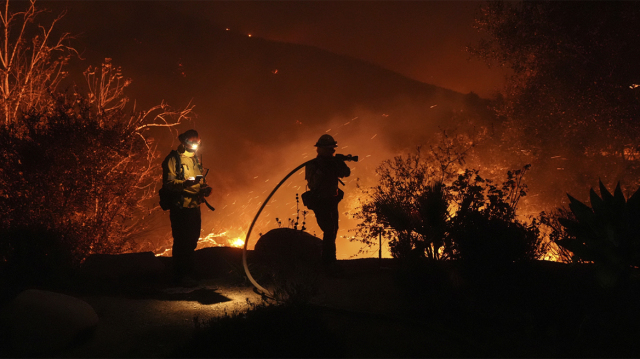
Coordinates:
(191, 197)
(322, 175)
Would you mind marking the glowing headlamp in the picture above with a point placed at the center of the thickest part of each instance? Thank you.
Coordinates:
(192, 145)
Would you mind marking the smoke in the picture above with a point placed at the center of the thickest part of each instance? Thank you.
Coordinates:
(261, 105)
(245, 174)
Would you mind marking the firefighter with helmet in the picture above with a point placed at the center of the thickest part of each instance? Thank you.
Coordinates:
(182, 176)
(323, 174)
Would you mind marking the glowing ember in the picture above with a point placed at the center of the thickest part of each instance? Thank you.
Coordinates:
(209, 240)
(238, 242)
(164, 253)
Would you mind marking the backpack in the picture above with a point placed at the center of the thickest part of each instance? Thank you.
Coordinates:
(171, 199)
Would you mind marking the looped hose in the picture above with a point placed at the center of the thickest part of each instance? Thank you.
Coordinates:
(259, 288)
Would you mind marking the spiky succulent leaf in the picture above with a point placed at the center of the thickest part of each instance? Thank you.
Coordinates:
(633, 203)
(596, 202)
(576, 229)
(582, 212)
(607, 234)
(618, 197)
(607, 197)
(576, 247)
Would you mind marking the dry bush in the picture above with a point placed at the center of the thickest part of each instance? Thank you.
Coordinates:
(432, 207)
(77, 169)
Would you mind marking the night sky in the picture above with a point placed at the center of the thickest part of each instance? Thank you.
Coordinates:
(378, 76)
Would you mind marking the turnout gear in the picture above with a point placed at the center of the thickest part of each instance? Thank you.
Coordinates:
(183, 190)
(323, 175)
(180, 170)
(185, 228)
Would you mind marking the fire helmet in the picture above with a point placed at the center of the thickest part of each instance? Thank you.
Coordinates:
(326, 141)
(190, 139)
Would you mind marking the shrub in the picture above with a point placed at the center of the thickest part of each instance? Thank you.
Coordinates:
(75, 169)
(409, 206)
(468, 218)
(80, 171)
(35, 255)
(485, 229)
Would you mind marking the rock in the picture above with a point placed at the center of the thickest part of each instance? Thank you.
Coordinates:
(288, 249)
(42, 322)
(212, 262)
(127, 266)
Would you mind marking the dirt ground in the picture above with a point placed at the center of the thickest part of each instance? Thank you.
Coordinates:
(539, 309)
(156, 321)
(154, 326)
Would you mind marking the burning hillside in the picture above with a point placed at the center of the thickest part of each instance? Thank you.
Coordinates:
(261, 105)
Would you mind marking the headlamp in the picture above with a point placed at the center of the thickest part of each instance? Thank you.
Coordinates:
(192, 144)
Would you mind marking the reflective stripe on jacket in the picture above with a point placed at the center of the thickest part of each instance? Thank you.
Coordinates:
(191, 170)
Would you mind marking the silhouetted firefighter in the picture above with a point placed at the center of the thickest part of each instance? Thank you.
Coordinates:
(323, 175)
(182, 192)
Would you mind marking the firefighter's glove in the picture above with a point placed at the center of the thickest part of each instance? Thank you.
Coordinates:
(205, 190)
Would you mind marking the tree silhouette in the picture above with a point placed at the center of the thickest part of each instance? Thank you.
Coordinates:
(573, 91)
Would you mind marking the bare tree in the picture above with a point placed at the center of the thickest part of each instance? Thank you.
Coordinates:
(31, 66)
(127, 179)
(85, 167)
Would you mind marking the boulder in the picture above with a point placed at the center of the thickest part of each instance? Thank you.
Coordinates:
(215, 262)
(127, 266)
(43, 323)
(288, 249)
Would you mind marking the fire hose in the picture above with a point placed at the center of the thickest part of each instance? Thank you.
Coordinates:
(258, 287)
(261, 290)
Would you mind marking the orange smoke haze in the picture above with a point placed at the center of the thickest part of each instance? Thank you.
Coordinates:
(241, 187)
(360, 71)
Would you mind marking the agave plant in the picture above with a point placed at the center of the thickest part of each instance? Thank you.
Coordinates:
(607, 233)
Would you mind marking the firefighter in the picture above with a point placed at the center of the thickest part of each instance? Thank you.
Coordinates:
(182, 176)
(322, 175)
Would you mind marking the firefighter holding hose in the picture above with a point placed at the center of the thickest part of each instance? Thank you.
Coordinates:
(323, 175)
(184, 190)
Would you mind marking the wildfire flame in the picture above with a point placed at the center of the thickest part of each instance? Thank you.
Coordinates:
(238, 242)
(221, 239)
